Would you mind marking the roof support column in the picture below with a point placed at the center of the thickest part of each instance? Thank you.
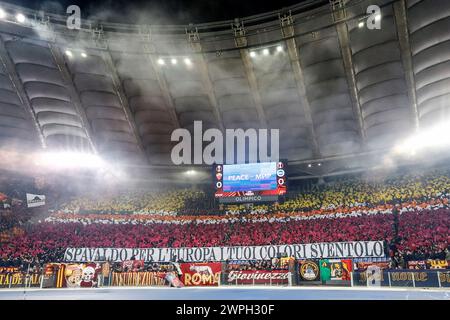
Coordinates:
(346, 52)
(67, 78)
(164, 87)
(405, 49)
(240, 40)
(194, 40)
(248, 67)
(17, 83)
(122, 97)
(288, 32)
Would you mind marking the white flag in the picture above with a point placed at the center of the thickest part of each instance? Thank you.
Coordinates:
(35, 200)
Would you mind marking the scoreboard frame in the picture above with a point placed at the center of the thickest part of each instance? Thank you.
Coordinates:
(250, 196)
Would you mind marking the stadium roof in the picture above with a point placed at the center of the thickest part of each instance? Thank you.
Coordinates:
(338, 91)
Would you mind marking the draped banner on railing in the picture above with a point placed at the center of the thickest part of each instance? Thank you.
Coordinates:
(351, 249)
(143, 278)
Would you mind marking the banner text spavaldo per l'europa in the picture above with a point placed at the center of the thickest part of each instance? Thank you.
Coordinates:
(353, 249)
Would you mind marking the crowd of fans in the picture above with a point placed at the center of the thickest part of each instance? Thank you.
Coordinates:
(42, 239)
(161, 202)
(342, 194)
(410, 213)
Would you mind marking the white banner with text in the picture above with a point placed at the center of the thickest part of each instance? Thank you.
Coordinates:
(353, 249)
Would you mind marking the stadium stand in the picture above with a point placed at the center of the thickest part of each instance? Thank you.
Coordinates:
(347, 210)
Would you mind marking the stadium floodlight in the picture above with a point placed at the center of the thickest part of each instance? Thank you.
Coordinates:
(309, 165)
(174, 61)
(252, 54)
(361, 24)
(319, 164)
(60, 160)
(433, 138)
(187, 61)
(2, 14)
(266, 52)
(68, 53)
(84, 55)
(161, 62)
(279, 48)
(20, 18)
(191, 172)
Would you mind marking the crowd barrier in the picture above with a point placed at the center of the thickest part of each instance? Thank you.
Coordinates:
(324, 272)
(135, 279)
(386, 278)
(402, 278)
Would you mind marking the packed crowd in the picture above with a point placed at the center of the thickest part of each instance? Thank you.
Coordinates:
(161, 202)
(421, 235)
(346, 194)
(347, 210)
(46, 240)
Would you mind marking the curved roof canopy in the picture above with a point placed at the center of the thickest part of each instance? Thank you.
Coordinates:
(336, 89)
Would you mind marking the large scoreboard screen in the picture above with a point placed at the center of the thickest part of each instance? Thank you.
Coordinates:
(252, 182)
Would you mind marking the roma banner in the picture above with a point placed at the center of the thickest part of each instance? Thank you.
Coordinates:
(138, 279)
(309, 270)
(258, 277)
(353, 249)
(201, 274)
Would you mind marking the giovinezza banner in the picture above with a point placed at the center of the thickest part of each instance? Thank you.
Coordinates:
(258, 277)
(352, 249)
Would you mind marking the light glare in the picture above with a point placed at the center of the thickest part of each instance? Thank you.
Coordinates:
(70, 160)
(434, 138)
(174, 61)
(2, 13)
(20, 18)
(187, 61)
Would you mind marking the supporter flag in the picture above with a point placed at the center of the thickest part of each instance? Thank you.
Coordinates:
(325, 270)
(309, 270)
(35, 200)
(347, 268)
(340, 269)
(437, 264)
(133, 265)
(5, 202)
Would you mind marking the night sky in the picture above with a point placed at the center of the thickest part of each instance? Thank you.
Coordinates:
(176, 11)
